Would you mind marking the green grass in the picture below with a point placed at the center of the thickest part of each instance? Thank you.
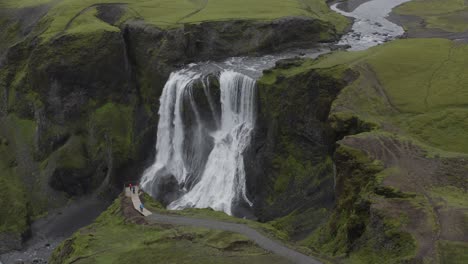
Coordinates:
(15, 133)
(13, 199)
(266, 10)
(449, 15)
(88, 22)
(425, 84)
(424, 81)
(412, 91)
(265, 228)
(112, 239)
(22, 3)
(453, 196)
(174, 13)
(453, 252)
(72, 155)
(112, 125)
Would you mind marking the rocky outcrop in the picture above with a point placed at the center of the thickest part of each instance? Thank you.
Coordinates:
(293, 146)
(10, 241)
(90, 100)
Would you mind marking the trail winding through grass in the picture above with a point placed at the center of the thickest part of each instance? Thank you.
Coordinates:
(261, 240)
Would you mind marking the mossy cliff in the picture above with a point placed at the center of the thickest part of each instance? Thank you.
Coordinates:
(292, 175)
(361, 156)
(80, 85)
(399, 175)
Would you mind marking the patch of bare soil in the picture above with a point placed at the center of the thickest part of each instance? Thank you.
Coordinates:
(129, 212)
(416, 27)
(428, 218)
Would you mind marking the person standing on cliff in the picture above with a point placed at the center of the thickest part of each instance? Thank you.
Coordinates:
(141, 207)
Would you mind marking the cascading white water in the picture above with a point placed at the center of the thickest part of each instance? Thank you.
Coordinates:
(223, 181)
(170, 138)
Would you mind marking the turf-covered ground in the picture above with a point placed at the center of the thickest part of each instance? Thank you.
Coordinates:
(423, 80)
(434, 19)
(408, 111)
(448, 15)
(116, 237)
(79, 16)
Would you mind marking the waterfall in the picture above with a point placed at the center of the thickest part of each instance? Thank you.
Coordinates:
(170, 135)
(221, 181)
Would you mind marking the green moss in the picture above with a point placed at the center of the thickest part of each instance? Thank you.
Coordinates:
(300, 221)
(170, 14)
(88, 22)
(23, 130)
(401, 86)
(265, 228)
(453, 252)
(22, 3)
(453, 196)
(290, 169)
(10, 33)
(449, 15)
(355, 188)
(72, 155)
(112, 126)
(112, 239)
(13, 198)
(352, 231)
(151, 204)
(401, 248)
(439, 128)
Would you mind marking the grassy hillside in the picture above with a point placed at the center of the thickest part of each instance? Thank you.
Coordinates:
(115, 237)
(401, 181)
(415, 93)
(417, 85)
(425, 96)
(401, 171)
(79, 16)
(449, 15)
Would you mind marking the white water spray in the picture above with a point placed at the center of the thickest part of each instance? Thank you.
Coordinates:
(223, 181)
(170, 138)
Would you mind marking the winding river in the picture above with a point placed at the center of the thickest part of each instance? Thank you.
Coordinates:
(371, 26)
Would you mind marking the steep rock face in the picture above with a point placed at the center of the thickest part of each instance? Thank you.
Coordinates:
(156, 53)
(86, 104)
(398, 194)
(391, 202)
(292, 170)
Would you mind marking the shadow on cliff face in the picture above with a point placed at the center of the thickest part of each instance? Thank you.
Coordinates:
(92, 99)
(290, 166)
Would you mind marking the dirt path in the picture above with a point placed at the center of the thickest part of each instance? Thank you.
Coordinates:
(261, 240)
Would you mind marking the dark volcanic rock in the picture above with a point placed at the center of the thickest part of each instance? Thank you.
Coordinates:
(9, 241)
(91, 100)
(290, 163)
